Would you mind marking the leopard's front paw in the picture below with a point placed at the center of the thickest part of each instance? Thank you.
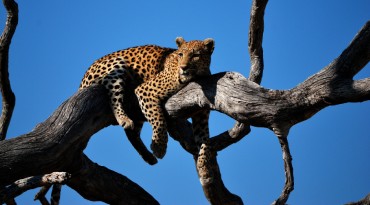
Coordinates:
(159, 149)
(126, 123)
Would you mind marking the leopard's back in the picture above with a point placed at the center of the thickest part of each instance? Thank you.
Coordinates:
(140, 63)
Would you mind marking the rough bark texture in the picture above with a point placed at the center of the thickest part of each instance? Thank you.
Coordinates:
(22, 185)
(256, 28)
(279, 110)
(364, 201)
(8, 96)
(57, 144)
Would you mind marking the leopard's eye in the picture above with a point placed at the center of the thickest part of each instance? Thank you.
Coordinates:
(196, 56)
(181, 55)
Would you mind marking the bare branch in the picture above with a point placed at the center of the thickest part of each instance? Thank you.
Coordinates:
(55, 194)
(98, 183)
(58, 144)
(231, 136)
(252, 104)
(361, 90)
(356, 55)
(65, 134)
(256, 28)
(364, 201)
(288, 168)
(22, 185)
(41, 195)
(6, 90)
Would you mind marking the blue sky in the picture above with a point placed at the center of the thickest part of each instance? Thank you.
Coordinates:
(56, 41)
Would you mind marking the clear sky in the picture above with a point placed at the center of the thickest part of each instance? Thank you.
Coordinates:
(56, 41)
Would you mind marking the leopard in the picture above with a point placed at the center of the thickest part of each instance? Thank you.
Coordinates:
(157, 73)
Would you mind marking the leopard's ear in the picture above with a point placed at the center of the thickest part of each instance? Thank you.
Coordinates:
(210, 44)
(179, 41)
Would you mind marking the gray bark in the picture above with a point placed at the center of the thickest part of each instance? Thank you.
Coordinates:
(7, 94)
(57, 144)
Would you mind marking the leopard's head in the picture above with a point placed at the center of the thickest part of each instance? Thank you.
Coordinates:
(194, 58)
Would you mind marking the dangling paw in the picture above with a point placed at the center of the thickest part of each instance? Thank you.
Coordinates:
(159, 149)
(126, 123)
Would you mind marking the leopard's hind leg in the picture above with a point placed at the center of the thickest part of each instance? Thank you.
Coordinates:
(115, 82)
(135, 140)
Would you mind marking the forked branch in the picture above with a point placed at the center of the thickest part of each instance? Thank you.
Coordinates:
(277, 110)
(58, 144)
(64, 135)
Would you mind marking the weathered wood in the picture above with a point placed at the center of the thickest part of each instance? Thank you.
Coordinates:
(57, 144)
(41, 195)
(277, 110)
(8, 96)
(255, 36)
(364, 201)
(22, 185)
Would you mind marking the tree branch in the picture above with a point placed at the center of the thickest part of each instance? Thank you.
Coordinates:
(364, 201)
(22, 185)
(57, 144)
(41, 195)
(6, 90)
(55, 194)
(255, 37)
(278, 110)
(98, 183)
(356, 55)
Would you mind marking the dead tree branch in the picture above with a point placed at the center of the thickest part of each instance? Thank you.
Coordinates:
(41, 195)
(277, 110)
(22, 185)
(6, 90)
(255, 36)
(55, 194)
(364, 201)
(57, 144)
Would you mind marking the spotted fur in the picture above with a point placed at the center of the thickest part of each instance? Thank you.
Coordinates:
(159, 73)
